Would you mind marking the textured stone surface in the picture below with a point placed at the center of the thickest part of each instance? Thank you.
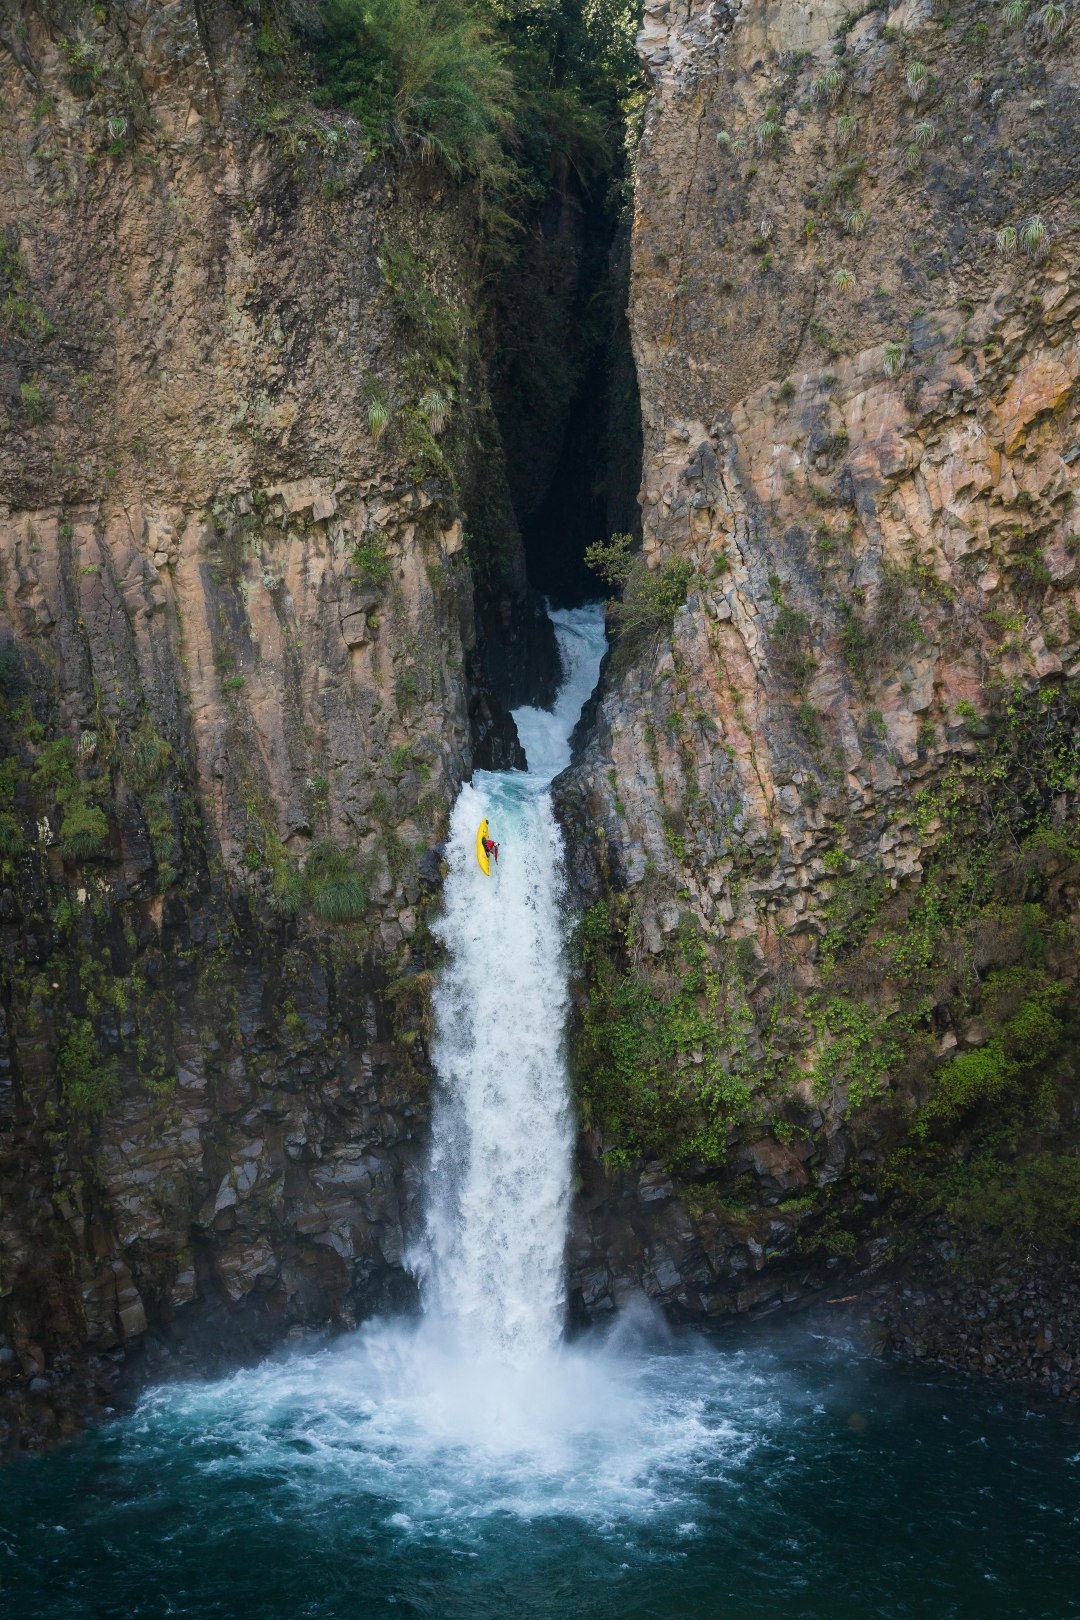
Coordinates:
(802, 467)
(206, 546)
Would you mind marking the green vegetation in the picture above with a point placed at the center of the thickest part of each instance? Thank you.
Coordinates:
(83, 832)
(334, 889)
(662, 1059)
(430, 78)
(650, 597)
(12, 842)
(672, 1054)
(84, 827)
(35, 405)
(830, 86)
(1052, 20)
(790, 649)
(371, 559)
(769, 131)
(893, 358)
(331, 883)
(20, 317)
(1033, 236)
(917, 79)
(487, 88)
(874, 644)
(89, 1083)
(378, 412)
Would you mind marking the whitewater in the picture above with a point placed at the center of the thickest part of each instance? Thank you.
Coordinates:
(468, 1463)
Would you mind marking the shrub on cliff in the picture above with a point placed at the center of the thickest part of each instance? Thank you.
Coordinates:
(88, 1082)
(650, 597)
(429, 75)
(490, 88)
(83, 832)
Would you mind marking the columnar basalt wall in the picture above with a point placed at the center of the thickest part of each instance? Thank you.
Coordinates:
(854, 311)
(241, 685)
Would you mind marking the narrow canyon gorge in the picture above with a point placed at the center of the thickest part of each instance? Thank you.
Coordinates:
(302, 437)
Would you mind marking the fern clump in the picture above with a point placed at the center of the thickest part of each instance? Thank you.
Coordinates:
(432, 79)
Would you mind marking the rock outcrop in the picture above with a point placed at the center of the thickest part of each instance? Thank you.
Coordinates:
(243, 416)
(854, 311)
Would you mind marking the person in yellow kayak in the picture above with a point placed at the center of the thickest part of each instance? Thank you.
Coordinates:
(491, 849)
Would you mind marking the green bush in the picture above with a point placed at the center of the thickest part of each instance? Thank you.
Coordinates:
(490, 88)
(661, 1061)
(428, 75)
(790, 652)
(650, 597)
(83, 832)
(88, 1082)
(148, 757)
(371, 559)
(972, 1078)
(335, 890)
(1033, 1202)
(35, 405)
(12, 842)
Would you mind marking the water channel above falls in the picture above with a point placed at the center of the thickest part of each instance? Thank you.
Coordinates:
(470, 1465)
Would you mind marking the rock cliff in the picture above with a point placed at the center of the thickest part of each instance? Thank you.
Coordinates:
(251, 481)
(828, 794)
(265, 599)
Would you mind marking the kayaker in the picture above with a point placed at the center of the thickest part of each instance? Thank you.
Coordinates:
(491, 849)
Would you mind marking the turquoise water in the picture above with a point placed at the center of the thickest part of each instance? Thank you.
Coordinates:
(781, 1477)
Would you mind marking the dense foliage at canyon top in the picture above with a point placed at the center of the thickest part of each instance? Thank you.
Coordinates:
(489, 88)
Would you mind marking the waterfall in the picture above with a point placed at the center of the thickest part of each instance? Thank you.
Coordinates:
(501, 1128)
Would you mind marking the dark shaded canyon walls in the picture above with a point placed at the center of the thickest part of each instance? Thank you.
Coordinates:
(829, 957)
(565, 386)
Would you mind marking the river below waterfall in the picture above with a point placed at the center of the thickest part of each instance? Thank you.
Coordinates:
(684, 1478)
(469, 1464)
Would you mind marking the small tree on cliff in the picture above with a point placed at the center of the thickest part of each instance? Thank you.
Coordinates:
(650, 597)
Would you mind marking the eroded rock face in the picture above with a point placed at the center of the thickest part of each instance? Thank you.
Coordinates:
(860, 421)
(238, 631)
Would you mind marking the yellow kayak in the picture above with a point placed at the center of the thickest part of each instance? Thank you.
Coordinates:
(481, 852)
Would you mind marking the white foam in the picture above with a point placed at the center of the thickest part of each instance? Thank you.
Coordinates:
(478, 1408)
(502, 1133)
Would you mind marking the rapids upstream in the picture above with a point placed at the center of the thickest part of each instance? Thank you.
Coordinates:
(470, 1465)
